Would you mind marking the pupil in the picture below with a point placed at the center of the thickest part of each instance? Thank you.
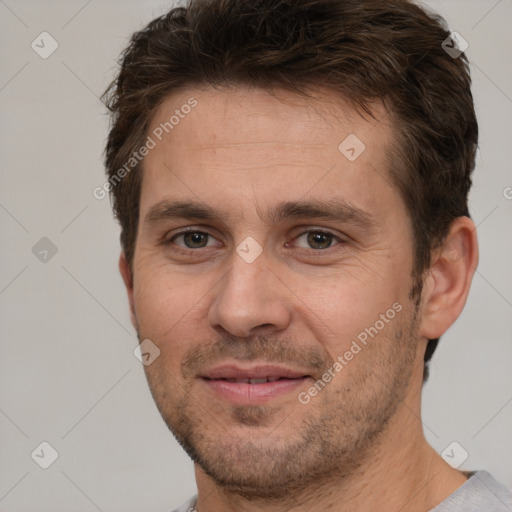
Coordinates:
(195, 239)
(319, 240)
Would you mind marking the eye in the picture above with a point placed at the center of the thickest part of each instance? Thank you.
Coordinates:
(316, 239)
(192, 240)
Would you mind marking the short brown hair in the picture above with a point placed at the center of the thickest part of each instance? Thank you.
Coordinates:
(366, 50)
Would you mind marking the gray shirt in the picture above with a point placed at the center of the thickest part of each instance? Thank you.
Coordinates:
(480, 493)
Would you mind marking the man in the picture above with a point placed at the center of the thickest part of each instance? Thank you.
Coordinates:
(291, 179)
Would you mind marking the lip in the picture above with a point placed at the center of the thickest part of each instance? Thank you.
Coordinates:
(231, 371)
(284, 381)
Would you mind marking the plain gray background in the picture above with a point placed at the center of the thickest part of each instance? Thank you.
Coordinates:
(68, 373)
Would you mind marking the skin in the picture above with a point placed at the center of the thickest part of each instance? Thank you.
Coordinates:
(358, 444)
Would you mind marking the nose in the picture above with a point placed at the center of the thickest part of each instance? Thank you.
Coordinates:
(250, 300)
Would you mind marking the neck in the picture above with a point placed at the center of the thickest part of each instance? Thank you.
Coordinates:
(403, 472)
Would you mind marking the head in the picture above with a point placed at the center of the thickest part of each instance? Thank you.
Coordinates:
(243, 109)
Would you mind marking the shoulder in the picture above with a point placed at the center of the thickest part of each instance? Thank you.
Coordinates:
(188, 506)
(480, 493)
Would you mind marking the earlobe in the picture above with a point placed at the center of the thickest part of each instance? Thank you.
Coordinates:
(449, 279)
(126, 274)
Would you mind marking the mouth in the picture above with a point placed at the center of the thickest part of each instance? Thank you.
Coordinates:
(254, 385)
(261, 380)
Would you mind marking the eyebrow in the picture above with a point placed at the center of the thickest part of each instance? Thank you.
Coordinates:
(338, 210)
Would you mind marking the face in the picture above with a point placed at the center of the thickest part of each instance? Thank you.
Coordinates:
(272, 270)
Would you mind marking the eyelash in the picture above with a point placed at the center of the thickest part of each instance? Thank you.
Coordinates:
(186, 250)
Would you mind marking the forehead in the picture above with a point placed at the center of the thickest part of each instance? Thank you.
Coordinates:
(316, 119)
(234, 142)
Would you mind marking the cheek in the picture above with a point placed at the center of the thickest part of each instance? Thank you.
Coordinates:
(167, 306)
(346, 308)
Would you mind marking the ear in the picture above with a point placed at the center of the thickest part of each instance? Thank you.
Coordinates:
(126, 274)
(447, 284)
